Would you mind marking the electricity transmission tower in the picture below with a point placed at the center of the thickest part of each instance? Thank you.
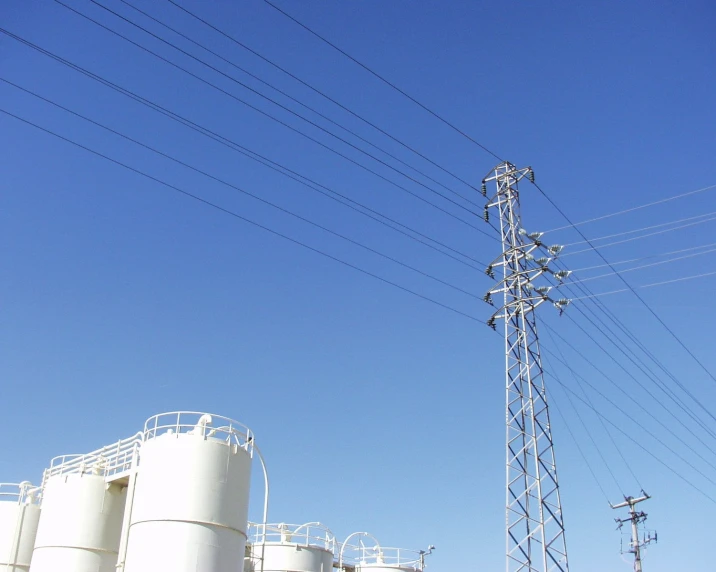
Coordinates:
(635, 518)
(535, 528)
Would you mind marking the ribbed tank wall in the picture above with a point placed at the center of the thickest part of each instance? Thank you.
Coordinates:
(292, 557)
(18, 528)
(80, 524)
(190, 506)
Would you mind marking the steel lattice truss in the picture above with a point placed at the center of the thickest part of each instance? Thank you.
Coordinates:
(535, 528)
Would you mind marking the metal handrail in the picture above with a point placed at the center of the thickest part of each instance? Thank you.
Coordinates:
(308, 534)
(201, 424)
(20, 493)
(106, 461)
(361, 555)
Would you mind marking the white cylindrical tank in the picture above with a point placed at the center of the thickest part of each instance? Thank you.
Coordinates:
(191, 495)
(292, 548)
(80, 524)
(19, 516)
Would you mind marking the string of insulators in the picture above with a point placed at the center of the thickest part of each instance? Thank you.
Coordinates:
(483, 189)
(486, 215)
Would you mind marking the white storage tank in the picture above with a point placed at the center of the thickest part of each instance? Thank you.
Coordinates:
(282, 547)
(81, 523)
(190, 498)
(19, 516)
(365, 554)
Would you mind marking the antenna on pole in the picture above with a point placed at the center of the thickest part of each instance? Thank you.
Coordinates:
(535, 527)
(635, 518)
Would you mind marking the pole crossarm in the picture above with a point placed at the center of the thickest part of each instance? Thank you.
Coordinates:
(634, 519)
(535, 535)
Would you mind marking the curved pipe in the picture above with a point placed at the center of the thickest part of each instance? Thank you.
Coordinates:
(266, 502)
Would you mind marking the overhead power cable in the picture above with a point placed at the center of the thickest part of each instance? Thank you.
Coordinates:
(712, 216)
(243, 191)
(240, 217)
(277, 120)
(668, 466)
(637, 403)
(387, 82)
(616, 446)
(554, 402)
(295, 100)
(607, 466)
(633, 290)
(636, 361)
(319, 92)
(624, 348)
(229, 143)
(662, 283)
(650, 257)
(593, 248)
(643, 266)
(632, 209)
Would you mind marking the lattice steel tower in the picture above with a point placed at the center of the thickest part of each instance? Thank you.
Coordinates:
(535, 527)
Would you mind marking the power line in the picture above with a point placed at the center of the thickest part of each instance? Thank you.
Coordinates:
(243, 191)
(667, 261)
(650, 257)
(579, 448)
(664, 282)
(589, 434)
(241, 217)
(606, 430)
(638, 444)
(273, 118)
(611, 338)
(623, 348)
(651, 376)
(287, 95)
(319, 92)
(390, 84)
(633, 400)
(302, 179)
(633, 290)
(592, 247)
(660, 225)
(632, 209)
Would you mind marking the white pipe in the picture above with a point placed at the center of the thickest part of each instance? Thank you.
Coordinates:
(266, 502)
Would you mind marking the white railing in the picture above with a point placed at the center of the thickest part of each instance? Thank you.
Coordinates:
(107, 461)
(20, 493)
(371, 553)
(309, 534)
(201, 424)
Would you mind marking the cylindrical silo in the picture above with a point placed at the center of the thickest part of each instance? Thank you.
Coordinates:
(80, 524)
(19, 516)
(191, 495)
(292, 548)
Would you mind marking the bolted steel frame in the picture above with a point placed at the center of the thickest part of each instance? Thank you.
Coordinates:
(535, 534)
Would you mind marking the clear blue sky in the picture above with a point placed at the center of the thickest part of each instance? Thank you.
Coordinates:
(376, 410)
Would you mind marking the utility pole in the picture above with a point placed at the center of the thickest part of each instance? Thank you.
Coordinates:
(635, 518)
(535, 536)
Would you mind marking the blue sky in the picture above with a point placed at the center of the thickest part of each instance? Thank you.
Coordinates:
(375, 410)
